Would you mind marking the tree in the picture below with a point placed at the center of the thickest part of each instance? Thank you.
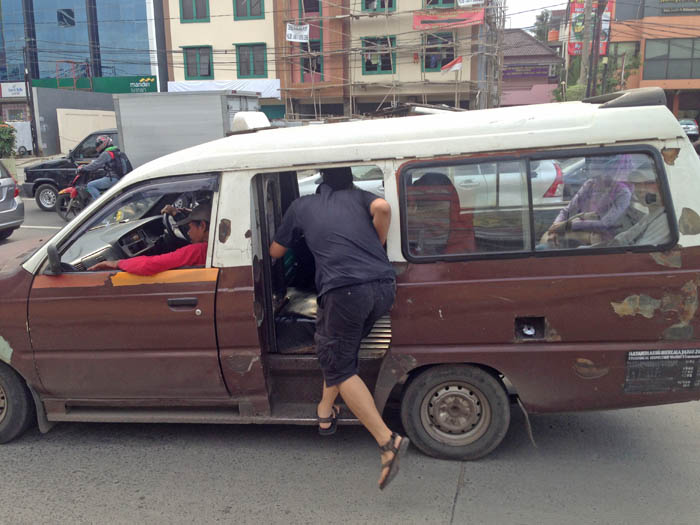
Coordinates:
(7, 140)
(542, 25)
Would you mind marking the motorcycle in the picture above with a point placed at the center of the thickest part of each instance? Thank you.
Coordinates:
(75, 197)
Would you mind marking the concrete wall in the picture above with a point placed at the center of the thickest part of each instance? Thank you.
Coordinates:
(74, 124)
(221, 32)
(47, 101)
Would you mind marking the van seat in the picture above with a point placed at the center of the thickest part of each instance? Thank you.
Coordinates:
(295, 325)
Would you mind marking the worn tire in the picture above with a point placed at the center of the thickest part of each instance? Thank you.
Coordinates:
(16, 405)
(4, 234)
(46, 196)
(455, 412)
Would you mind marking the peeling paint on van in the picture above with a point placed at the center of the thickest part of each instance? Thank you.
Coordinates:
(643, 305)
(224, 230)
(587, 369)
(689, 222)
(683, 304)
(672, 258)
(670, 155)
(5, 350)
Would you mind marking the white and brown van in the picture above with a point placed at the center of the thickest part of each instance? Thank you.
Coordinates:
(545, 254)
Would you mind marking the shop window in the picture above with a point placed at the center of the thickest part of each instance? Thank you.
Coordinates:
(677, 58)
(198, 63)
(378, 55)
(439, 50)
(194, 11)
(379, 5)
(248, 9)
(251, 60)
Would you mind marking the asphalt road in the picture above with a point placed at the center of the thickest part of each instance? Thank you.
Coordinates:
(37, 223)
(638, 466)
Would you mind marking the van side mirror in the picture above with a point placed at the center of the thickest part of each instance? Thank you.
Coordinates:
(54, 260)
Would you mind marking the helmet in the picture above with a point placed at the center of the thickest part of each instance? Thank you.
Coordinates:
(103, 139)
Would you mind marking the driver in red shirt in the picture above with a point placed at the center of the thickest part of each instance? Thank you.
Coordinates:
(194, 254)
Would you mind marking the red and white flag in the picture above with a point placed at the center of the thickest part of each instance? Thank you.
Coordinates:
(455, 65)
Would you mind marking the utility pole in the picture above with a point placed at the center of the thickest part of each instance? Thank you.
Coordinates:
(586, 49)
(592, 86)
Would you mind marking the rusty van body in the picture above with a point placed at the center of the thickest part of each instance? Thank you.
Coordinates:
(491, 306)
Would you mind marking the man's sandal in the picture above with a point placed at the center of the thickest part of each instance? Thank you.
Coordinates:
(332, 419)
(393, 463)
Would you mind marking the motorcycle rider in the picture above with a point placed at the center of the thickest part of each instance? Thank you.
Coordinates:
(109, 160)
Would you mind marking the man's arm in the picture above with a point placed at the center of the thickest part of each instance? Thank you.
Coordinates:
(99, 163)
(380, 210)
(277, 251)
(190, 255)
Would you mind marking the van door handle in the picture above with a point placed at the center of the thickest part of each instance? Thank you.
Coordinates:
(182, 302)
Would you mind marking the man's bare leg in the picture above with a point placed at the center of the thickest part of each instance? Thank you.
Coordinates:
(360, 401)
(325, 407)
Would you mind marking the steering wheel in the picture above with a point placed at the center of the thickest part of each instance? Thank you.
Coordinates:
(171, 229)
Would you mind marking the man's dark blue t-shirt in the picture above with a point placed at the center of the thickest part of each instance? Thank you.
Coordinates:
(339, 232)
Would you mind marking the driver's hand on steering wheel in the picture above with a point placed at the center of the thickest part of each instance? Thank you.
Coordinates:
(169, 209)
(104, 265)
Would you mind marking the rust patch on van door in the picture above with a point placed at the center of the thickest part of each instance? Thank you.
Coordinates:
(643, 305)
(689, 222)
(670, 155)
(683, 304)
(587, 369)
(672, 258)
(224, 230)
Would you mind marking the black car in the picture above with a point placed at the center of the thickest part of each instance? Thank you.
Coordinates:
(44, 180)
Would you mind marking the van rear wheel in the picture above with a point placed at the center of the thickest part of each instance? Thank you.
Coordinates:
(16, 406)
(455, 412)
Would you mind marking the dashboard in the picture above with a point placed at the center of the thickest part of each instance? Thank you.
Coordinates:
(114, 241)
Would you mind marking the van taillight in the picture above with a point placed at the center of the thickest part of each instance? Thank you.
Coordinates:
(557, 187)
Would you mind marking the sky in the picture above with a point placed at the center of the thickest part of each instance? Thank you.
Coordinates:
(516, 16)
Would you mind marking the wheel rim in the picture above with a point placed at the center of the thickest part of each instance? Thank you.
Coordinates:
(3, 404)
(455, 413)
(48, 198)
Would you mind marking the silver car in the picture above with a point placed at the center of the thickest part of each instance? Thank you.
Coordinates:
(690, 127)
(11, 205)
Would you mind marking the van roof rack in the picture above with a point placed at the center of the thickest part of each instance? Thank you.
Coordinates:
(649, 96)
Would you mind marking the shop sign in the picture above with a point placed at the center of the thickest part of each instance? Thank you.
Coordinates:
(676, 7)
(444, 20)
(132, 84)
(470, 3)
(297, 32)
(13, 90)
(525, 71)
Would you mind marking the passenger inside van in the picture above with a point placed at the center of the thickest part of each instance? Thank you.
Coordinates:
(651, 224)
(436, 225)
(594, 214)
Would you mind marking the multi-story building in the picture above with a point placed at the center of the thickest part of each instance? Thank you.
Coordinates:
(69, 43)
(659, 41)
(364, 55)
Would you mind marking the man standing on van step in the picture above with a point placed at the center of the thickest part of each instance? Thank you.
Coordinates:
(345, 228)
(112, 160)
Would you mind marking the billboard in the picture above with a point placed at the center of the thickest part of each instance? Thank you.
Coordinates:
(576, 29)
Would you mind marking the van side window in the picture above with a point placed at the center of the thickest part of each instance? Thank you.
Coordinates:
(607, 201)
(466, 208)
(588, 202)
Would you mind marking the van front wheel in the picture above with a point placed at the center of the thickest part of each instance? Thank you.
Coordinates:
(455, 412)
(16, 407)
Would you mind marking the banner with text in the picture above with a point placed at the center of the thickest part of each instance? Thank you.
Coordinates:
(577, 26)
(451, 19)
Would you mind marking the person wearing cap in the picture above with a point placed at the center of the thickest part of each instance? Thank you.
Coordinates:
(652, 228)
(191, 255)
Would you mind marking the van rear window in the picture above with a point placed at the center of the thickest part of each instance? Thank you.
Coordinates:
(588, 202)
